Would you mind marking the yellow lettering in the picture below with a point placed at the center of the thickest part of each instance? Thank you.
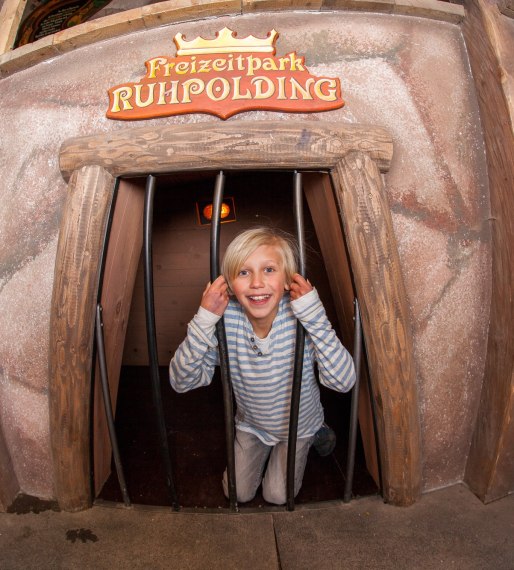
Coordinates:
(182, 67)
(281, 88)
(296, 62)
(331, 95)
(149, 100)
(297, 88)
(253, 64)
(162, 93)
(154, 65)
(191, 87)
(172, 92)
(259, 93)
(223, 90)
(204, 66)
(219, 64)
(121, 95)
(237, 90)
(268, 64)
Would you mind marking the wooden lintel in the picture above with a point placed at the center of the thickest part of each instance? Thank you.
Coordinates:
(236, 145)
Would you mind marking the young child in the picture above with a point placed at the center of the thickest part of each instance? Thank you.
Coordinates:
(261, 297)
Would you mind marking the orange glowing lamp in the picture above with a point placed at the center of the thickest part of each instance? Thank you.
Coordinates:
(225, 211)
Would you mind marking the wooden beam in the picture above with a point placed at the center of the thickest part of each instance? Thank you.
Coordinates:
(9, 486)
(236, 145)
(10, 20)
(327, 222)
(490, 467)
(77, 271)
(385, 321)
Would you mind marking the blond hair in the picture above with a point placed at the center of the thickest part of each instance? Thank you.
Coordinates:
(244, 244)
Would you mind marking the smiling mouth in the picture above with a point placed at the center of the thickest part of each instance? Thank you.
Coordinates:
(259, 298)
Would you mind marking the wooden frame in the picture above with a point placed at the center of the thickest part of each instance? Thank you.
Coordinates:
(490, 466)
(176, 11)
(355, 155)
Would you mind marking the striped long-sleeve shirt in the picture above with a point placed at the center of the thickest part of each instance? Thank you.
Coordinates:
(262, 369)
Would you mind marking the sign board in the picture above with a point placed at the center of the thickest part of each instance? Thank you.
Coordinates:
(46, 17)
(223, 77)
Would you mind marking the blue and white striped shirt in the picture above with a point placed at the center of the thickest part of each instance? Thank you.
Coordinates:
(262, 369)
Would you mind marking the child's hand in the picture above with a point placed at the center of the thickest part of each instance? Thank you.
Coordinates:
(299, 286)
(215, 297)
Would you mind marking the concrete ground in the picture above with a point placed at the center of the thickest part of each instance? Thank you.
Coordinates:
(450, 528)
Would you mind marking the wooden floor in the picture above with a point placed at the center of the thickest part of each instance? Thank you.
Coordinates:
(196, 436)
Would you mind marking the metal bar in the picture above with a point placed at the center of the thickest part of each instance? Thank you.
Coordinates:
(108, 404)
(375, 428)
(152, 339)
(354, 413)
(299, 350)
(222, 345)
(103, 259)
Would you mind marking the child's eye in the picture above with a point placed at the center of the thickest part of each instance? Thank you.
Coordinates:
(269, 269)
(243, 273)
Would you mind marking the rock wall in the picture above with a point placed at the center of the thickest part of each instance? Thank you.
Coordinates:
(407, 74)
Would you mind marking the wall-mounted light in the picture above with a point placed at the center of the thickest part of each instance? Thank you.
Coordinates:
(204, 211)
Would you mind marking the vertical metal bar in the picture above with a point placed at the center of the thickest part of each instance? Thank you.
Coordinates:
(354, 413)
(152, 339)
(299, 350)
(100, 344)
(222, 345)
(375, 429)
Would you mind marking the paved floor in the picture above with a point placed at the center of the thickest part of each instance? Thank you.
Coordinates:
(450, 528)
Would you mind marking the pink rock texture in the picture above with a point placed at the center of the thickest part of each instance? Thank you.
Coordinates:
(408, 75)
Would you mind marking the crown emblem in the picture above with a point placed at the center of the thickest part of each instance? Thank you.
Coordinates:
(226, 42)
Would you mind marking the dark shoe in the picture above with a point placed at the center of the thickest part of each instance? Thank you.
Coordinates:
(324, 440)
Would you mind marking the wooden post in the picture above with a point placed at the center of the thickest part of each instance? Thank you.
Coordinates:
(490, 467)
(320, 198)
(10, 20)
(385, 320)
(72, 322)
(9, 486)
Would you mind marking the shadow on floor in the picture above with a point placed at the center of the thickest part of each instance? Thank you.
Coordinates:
(196, 437)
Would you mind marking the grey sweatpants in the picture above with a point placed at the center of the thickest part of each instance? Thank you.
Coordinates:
(251, 455)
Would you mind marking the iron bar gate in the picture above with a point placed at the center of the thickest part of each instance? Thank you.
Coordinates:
(299, 347)
(224, 361)
(152, 339)
(222, 344)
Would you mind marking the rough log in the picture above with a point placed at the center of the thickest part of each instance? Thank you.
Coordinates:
(490, 467)
(238, 146)
(385, 321)
(75, 290)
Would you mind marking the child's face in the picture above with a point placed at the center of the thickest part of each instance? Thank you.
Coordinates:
(259, 286)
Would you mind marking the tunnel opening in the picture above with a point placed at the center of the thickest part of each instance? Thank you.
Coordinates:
(194, 421)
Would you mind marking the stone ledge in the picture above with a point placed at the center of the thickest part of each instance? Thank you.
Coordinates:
(172, 11)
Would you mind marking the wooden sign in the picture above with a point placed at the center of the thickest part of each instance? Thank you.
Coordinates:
(223, 77)
(43, 18)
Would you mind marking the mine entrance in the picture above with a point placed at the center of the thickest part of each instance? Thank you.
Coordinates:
(194, 421)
